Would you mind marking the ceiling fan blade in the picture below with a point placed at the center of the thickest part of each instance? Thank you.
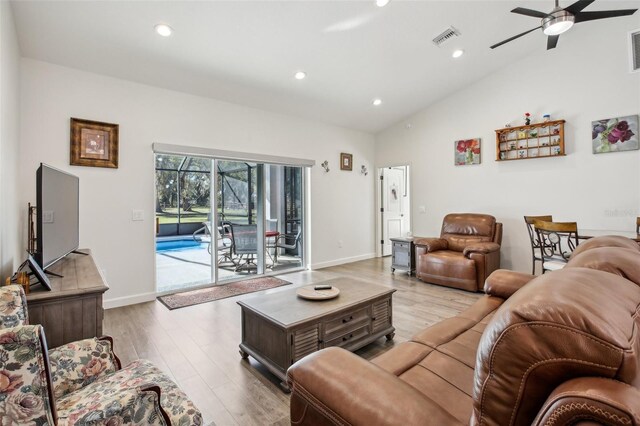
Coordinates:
(602, 14)
(552, 41)
(515, 37)
(529, 12)
(578, 6)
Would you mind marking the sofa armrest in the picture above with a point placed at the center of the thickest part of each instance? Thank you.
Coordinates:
(13, 306)
(25, 383)
(482, 248)
(503, 282)
(334, 386)
(600, 400)
(432, 244)
(77, 364)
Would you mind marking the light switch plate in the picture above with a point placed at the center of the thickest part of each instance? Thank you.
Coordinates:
(137, 215)
(47, 216)
(422, 209)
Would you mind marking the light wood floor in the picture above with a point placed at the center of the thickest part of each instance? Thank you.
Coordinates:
(198, 345)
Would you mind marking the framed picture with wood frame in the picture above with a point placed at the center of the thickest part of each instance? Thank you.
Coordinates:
(346, 161)
(94, 144)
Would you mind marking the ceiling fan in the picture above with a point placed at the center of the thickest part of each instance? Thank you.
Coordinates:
(560, 20)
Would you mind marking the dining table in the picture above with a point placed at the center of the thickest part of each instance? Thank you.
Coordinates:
(585, 234)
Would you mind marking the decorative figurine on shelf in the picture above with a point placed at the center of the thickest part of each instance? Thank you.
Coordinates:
(507, 125)
(546, 118)
(527, 118)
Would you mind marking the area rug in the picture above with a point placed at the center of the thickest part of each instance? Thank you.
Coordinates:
(204, 295)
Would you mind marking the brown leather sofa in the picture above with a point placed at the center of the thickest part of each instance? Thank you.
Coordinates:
(467, 251)
(559, 349)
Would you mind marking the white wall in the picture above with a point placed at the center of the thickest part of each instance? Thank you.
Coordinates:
(586, 78)
(341, 202)
(10, 254)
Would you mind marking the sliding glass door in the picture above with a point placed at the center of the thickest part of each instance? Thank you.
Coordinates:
(219, 220)
(285, 217)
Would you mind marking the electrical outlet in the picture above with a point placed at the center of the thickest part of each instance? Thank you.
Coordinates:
(137, 215)
(339, 243)
(47, 216)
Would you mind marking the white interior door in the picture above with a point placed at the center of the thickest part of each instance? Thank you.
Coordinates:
(393, 193)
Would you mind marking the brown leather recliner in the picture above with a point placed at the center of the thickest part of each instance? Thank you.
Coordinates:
(559, 349)
(466, 253)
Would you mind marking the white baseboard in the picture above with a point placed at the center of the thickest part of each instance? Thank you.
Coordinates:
(128, 300)
(342, 261)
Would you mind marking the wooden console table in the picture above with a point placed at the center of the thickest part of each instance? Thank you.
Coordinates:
(72, 310)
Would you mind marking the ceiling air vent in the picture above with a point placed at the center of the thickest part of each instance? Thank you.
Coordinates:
(634, 50)
(447, 34)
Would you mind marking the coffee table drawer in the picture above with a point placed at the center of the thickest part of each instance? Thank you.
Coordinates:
(348, 338)
(339, 325)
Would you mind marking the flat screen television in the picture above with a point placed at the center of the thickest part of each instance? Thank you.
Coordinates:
(57, 213)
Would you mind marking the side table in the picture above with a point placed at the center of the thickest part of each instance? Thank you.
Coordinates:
(403, 255)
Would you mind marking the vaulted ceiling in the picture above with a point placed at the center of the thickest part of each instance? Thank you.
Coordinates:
(247, 52)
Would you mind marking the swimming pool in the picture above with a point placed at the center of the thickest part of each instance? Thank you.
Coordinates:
(184, 244)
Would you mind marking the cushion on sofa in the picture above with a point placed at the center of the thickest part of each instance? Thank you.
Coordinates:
(616, 260)
(606, 241)
(138, 374)
(439, 361)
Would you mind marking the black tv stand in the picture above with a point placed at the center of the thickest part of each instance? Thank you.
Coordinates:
(53, 274)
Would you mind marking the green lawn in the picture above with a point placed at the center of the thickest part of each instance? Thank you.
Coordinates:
(197, 215)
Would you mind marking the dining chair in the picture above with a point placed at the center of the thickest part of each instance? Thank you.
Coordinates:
(557, 242)
(536, 248)
(245, 245)
(281, 242)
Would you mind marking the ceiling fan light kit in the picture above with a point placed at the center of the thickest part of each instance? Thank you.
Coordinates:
(557, 22)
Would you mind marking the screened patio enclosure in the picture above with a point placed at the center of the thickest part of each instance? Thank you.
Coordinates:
(261, 199)
(183, 188)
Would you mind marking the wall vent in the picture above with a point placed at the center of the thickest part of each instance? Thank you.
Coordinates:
(634, 50)
(447, 34)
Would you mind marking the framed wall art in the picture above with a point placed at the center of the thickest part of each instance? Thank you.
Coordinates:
(346, 161)
(467, 152)
(94, 144)
(615, 134)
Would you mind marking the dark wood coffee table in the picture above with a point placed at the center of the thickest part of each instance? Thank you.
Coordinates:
(279, 329)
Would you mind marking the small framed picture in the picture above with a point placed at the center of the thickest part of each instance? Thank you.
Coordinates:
(467, 151)
(94, 144)
(346, 161)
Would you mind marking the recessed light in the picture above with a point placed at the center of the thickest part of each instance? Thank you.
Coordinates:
(377, 102)
(300, 75)
(382, 3)
(457, 53)
(164, 30)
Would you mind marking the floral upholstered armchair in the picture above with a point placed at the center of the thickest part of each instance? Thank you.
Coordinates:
(80, 383)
